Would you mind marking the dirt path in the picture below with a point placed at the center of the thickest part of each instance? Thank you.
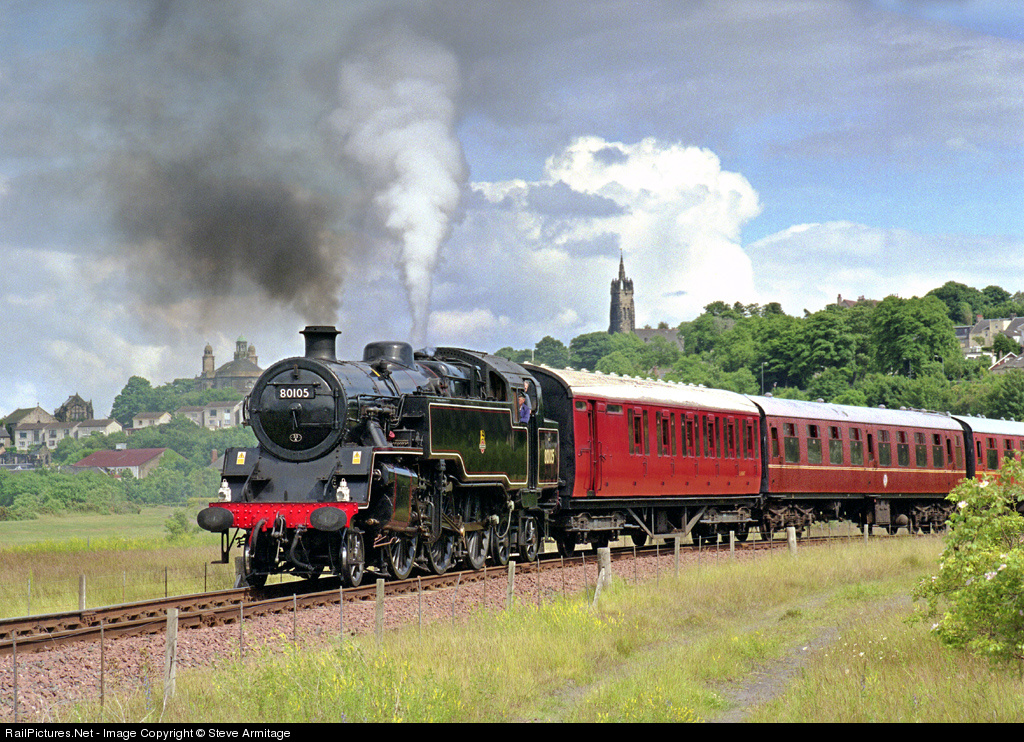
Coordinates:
(771, 681)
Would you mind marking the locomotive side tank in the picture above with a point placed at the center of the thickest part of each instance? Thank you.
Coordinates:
(397, 460)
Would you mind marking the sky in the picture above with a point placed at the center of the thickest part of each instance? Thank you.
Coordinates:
(178, 172)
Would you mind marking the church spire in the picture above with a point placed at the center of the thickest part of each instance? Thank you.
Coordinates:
(622, 315)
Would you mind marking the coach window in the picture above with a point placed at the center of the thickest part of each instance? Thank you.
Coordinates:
(636, 432)
(689, 447)
(730, 451)
(993, 454)
(666, 435)
(710, 440)
(902, 448)
(835, 445)
(884, 448)
(659, 420)
(813, 445)
(937, 459)
(1008, 453)
(920, 450)
(775, 442)
(856, 447)
(792, 443)
(751, 440)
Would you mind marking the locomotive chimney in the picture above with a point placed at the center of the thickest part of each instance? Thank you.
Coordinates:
(320, 342)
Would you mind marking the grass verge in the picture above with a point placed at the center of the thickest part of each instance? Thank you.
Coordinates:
(821, 637)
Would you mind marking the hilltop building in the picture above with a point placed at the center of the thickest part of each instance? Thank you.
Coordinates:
(623, 316)
(240, 373)
(75, 409)
(623, 313)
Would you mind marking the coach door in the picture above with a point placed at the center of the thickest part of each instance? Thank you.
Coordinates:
(588, 455)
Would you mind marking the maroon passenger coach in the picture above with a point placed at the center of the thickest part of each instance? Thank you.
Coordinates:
(650, 457)
(886, 468)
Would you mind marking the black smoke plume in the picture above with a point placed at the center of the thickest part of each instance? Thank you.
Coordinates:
(198, 234)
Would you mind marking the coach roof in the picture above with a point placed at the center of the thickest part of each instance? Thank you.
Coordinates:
(614, 388)
(988, 426)
(774, 407)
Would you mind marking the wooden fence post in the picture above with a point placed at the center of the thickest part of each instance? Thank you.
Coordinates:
(510, 590)
(380, 612)
(171, 660)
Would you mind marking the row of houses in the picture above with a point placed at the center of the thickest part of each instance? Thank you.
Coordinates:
(974, 338)
(29, 429)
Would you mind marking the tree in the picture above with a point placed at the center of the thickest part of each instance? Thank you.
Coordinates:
(907, 333)
(551, 352)
(978, 593)
(996, 295)
(135, 397)
(827, 343)
(1006, 398)
(1002, 345)
(587, 349)
(516, 356)
(619, 363)
(961, 301)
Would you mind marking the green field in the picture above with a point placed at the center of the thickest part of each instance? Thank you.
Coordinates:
(122, 557)
(147, 525)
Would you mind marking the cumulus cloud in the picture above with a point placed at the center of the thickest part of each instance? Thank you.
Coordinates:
(674, 213)
(808, 265)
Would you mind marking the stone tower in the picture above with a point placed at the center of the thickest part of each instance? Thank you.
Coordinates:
(208, 362)
(623, 318)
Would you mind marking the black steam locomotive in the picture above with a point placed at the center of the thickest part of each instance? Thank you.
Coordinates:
(396, 460)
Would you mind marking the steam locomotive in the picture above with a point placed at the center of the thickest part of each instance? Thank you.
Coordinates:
(424, 459)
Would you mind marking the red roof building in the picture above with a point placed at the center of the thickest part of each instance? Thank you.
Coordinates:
(138, 461)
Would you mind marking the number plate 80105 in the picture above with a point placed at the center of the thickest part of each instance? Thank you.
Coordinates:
(296, 392)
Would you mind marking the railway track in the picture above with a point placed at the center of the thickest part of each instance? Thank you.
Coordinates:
(42, 632)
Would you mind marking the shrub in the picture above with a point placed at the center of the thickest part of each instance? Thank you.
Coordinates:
(978, 594)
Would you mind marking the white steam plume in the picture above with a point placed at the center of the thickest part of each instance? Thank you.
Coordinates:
(397, 118)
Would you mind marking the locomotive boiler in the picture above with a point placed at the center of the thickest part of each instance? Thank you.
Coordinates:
(397, 460)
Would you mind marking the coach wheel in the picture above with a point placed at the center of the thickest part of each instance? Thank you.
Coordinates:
(599, 540)
(353, 557)
(639, 539)
(441, 552)
(529, 539)
(400, 555)
(742, 533)
(477, 543)
(500, 539)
